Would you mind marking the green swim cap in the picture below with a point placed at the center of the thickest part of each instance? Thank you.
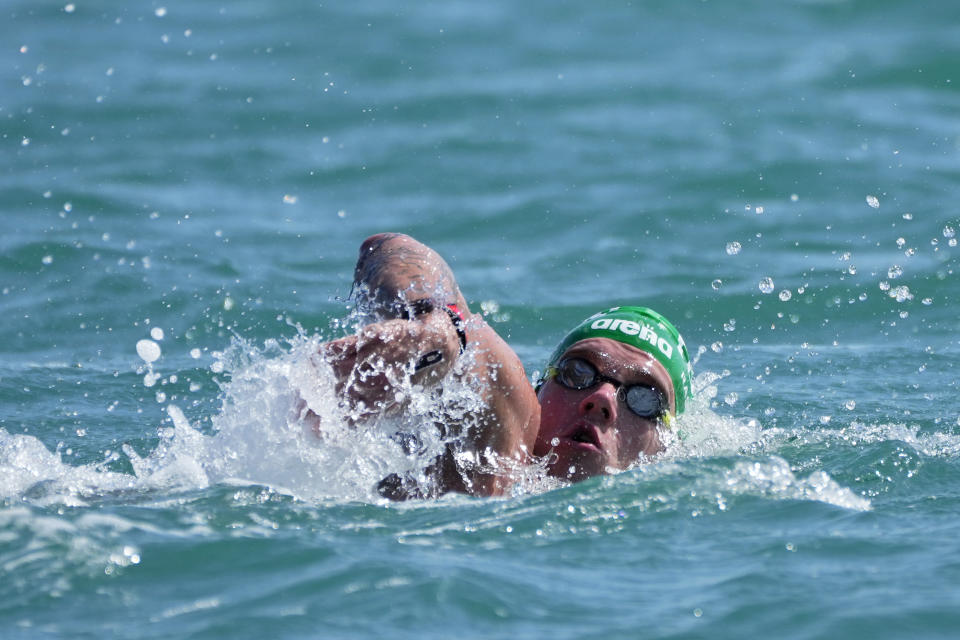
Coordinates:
(646, 330)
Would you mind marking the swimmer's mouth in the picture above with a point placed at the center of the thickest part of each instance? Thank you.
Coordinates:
(585, 434)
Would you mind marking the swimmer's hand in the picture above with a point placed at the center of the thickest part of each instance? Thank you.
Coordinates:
(376, 367)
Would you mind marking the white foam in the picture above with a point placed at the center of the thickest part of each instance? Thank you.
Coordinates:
(774, 477)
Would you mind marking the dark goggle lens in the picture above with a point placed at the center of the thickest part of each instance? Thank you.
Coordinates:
(643, 400)
(575, 373)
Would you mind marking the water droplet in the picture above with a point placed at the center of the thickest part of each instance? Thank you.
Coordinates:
(873, 201)
(161, 397)
(227, 303)
(949, 232)
(901, 242)
(717, 347)
(148, 350)
(766, 285)
(785, 295)
(716, 284)
(160, 12)
(697, 613)
(908, 216)
(731, 398)
(852, 269)
(927, 301)
(733, 248)
(894, 272)
(850, 405)
(794, 197)
(156, 333)
(825, 419)
(195, 353)
(70, 8)
(289, 199)
(46, 259)
(862, 296)
(884, 285)
(758, 211)
(730, 325)
(901, 293)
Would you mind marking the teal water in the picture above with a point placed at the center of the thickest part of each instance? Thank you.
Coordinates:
(209, 170)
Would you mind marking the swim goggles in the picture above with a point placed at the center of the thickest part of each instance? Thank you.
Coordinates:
(644, 400)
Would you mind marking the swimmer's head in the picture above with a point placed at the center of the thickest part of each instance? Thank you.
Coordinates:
(646, 330)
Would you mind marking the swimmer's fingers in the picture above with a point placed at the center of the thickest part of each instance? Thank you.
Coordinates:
(341, 355)
(383, 358)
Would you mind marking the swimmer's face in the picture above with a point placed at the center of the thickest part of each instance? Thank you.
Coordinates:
(591, 431)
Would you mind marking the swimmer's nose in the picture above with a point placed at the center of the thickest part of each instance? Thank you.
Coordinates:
(600, 404)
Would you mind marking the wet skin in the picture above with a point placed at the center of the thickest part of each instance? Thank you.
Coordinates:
(590, 431)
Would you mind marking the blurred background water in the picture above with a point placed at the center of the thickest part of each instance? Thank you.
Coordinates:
(777, 178)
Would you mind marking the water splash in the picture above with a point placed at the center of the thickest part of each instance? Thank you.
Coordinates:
(281, 426)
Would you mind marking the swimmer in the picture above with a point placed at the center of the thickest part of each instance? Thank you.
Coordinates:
(611, 387)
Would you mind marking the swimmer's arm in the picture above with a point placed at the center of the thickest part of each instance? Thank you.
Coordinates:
(394, 268)
(406, 284)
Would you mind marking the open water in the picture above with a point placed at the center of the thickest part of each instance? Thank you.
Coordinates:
(780, 178)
